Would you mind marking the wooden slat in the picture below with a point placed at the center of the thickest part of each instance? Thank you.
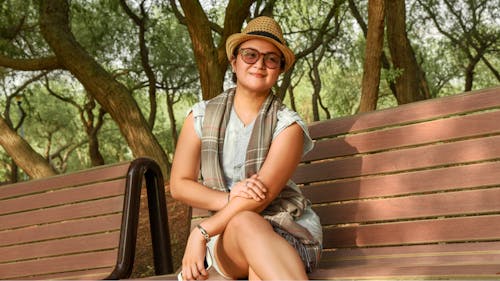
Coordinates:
(60, 230)
(172, 276)
(90, 274)
(432, 272)
(332, 256)
(449, 254)
(479, 228)
(425, 260)
(482, 149)
(66, 246)
(442, 179)
(200, 213)
(58, 264)
(63, 196)
(78, 178)
(423, 110)
(421, 206)
(411, 135)
(62, 213)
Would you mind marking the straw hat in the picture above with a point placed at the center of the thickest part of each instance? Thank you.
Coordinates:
(264, 28)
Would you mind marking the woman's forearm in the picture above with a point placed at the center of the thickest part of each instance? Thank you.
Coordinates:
(217, 223)
(199, 196)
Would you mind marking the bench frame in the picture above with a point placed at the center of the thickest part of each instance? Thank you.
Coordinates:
(143, 168)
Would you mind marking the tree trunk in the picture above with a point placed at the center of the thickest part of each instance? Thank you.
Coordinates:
(373, 54)
(110, 94)
(14, 172)
(32, 163)
(403, 58)
(385, 61)
(171, 116)
(469, 72)
(144, 54)
(211, 59)
(94, 153)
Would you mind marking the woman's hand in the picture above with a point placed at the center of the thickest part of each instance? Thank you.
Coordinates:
(250, 188)
(193, 267)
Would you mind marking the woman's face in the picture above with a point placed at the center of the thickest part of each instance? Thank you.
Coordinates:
(256, 77)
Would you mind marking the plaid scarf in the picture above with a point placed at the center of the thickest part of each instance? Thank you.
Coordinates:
(290, 203)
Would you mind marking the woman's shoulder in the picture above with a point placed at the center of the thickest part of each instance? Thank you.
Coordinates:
(287, 117)
(287, 114)
(198, 109)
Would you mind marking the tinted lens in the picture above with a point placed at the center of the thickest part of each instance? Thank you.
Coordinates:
(251, 56)
(272, 60)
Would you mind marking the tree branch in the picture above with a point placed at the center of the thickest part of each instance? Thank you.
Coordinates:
(48, 63)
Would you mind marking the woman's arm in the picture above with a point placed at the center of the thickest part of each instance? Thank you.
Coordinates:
(184, 184)
(283, 157)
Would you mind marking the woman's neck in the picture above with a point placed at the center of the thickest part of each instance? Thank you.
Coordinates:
(248, 103)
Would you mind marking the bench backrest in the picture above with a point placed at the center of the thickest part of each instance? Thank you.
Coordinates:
(421, 173)
(81, 225)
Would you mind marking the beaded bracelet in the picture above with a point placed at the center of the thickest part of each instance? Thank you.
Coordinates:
(204, 233)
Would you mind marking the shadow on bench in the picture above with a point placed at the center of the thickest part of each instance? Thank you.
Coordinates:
(82, 225)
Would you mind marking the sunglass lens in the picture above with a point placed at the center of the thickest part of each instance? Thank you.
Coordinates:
(249, 55)
(272, 61)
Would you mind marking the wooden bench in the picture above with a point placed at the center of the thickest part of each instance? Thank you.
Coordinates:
(82, 225)
(411, 192)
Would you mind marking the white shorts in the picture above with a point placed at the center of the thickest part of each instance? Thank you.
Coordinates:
(211, 251)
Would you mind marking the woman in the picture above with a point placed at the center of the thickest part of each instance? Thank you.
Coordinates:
(262, 226)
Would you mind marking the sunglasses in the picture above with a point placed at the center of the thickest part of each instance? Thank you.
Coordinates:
(207, 262)
(251, 56)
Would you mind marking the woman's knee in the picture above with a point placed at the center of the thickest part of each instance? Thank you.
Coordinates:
(248, 222)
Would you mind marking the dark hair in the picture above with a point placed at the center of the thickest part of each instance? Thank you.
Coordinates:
(235, 55)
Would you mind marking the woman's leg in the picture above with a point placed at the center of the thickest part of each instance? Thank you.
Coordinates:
(250, 242)
(252, 275)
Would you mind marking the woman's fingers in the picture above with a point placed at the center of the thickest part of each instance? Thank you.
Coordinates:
(254, 188)
(250, 188)
(203, 274)
(195, 271)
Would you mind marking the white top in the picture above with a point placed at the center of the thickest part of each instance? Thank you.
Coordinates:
(236, 141)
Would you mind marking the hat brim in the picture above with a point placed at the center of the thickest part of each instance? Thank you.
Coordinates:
(236, 39)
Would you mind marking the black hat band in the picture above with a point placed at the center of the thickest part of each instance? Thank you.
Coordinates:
(266, 34)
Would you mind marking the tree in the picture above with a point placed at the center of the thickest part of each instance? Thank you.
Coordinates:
(410, 85)
(211, 57)
(22, 154)
(373, 55)
(54, 24)
(469, 26)
(91, 123)
(35, 165)
(141, 23)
